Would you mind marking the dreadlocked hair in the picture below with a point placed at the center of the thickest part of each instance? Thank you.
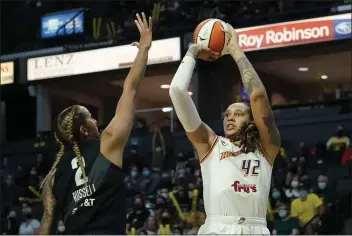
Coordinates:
(67, 134)
(247, 138)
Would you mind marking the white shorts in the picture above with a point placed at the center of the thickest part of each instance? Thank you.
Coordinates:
(234, 225)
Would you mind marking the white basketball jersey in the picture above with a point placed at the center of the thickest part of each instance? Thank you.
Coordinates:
(235, 183)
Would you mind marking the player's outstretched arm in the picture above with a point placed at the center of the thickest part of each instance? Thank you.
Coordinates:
(261, 108)
(49, 203)
(200, 135)
(115, 136)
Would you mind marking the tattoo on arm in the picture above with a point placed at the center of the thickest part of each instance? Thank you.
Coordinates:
(269, 122)
(250, 78)
(252, 81)
(193, 51)
(49, 203)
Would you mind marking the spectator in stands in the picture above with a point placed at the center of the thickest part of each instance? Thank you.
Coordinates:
(136, 219)
(286, 225)
(277, 198)
(327, 195)
(61, 227)
(181, 176)
(132, 181)
(177, 230)
(4, 169)
(10, 192)
(151, 226)
(42, 165)
(165, 224)
(347, 156)
(29, 225)
(21, 175)
(338, 142)
(291, 191)
(33, 180)
(165, 181)
(322, 189)
(182, 196)
(161, 205)
(149, 182)
(9, 224)
(136, 158)
(307, 208)
(142, 232)
(303, 150)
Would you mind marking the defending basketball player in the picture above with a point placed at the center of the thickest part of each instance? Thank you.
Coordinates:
(85, 186)
(236, 169)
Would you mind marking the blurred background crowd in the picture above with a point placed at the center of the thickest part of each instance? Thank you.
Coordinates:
(311, 189)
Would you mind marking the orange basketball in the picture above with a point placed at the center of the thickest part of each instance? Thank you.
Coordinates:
(209, 33)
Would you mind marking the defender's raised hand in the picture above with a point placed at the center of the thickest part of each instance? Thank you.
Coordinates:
(145, 29)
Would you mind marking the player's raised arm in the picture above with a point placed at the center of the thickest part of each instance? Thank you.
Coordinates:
(261, 109)
(49, 203)
(200, 135)
(116, 134)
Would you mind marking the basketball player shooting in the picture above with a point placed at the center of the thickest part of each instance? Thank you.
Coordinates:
(85, 185)
(236, 169)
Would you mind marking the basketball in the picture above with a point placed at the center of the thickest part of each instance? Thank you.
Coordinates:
(209, 33)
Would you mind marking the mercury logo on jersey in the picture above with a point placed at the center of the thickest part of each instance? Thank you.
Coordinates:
(246, 188)
(230, 154)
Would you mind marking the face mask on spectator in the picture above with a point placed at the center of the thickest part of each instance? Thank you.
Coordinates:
(8, 180)
(146, 173)
(33, 172)
(322, 185)
(190, 194)
(134, 142)
(182, 172)
(276, 195)
(197, 173)
(133, 151)
(134, 173)
(282, 213)
(165, 175)
(164, 195)
(149, 205)
(303, 194)
(294, 184)
(12, 214)
(158, 149)
(61, 228)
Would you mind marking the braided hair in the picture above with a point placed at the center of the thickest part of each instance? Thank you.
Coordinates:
(67, 134)
(247, 137)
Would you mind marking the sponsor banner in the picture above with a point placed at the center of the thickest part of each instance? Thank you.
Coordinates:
(7, 72)
(162, 51)
(295, 32)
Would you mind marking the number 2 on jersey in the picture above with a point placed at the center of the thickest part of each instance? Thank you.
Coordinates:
(79, 173)
(250, 167)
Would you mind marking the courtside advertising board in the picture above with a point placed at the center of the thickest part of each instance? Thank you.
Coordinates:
(104, 59)
(7, 73)
(292, 33)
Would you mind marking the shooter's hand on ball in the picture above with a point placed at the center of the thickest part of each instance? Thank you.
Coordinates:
(145, 31)
(233, 45)
(202, 52)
